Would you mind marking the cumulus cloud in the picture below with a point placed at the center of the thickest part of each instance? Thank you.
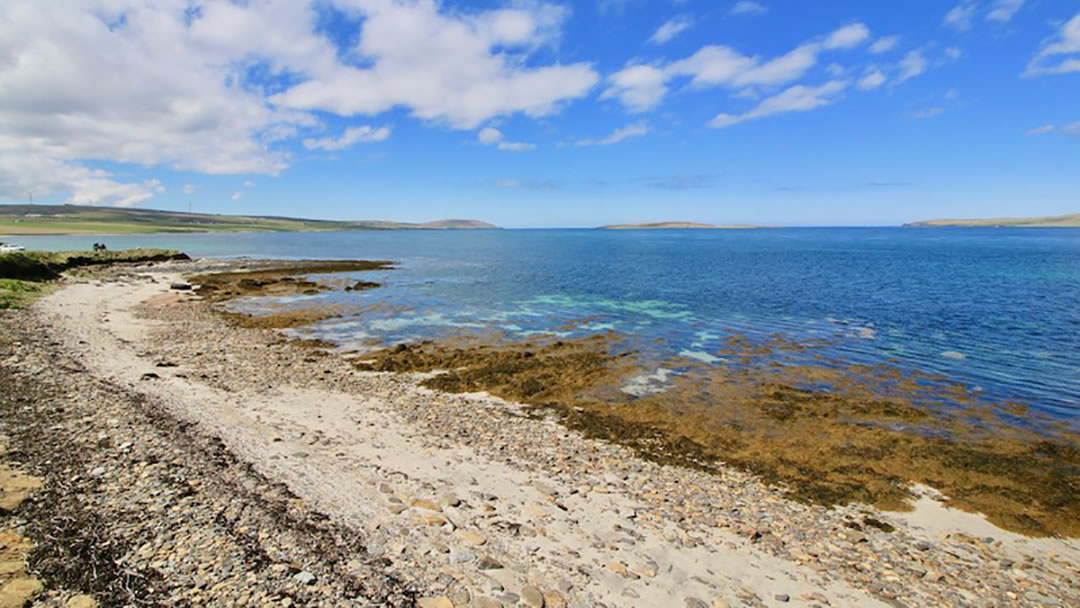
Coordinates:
(350, 136)
(798, 98)
(747, 7)
(189, 189)
(847, 37)
(884, 44)
(218, 88)
(458, 69)
(1060, 54)
(237, 195)
(671, 28)
(1004, 10)
(632, 130)
(641, 87)
(491, 136)
(1043, 130)
(872, 80)
(638, 87)
(960, 16)
(911, 66)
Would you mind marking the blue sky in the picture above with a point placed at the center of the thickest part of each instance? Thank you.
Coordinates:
(531, 114)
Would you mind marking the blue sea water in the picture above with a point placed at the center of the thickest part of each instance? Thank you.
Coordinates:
(996, 309)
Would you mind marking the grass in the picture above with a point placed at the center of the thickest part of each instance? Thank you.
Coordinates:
(18, 294)
(26, 275)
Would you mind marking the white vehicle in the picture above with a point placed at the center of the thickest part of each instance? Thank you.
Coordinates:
(8, 248)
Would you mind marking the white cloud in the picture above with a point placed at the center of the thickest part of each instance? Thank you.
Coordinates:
(960, 16)
(952, 94)
(352, 135)
(249, 184)
(931, 113)
(746, 7)
(798, 98)
(641, 87)
(189, 189)
(199, 88)
(835, 70)
(848, 36)
(1004, 10)
(515, 146)
(911, 66)
(492, 136)
(632, 130)
(884, 44)
(872, 80)
(1060, 54)
(673, 27)
(952, 54)
(237, 195)
(1043, 130)
(1072, 128)
(451, 67)
(489, 135)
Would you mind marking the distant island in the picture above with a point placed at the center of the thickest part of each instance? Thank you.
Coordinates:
(1071, 220)
(79, 219)
(670, 225)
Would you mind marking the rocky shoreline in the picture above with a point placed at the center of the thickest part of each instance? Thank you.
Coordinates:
(204, 463)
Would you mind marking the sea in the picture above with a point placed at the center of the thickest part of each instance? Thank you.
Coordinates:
(994, 309)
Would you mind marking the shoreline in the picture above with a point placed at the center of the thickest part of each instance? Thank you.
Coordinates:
(444, 485)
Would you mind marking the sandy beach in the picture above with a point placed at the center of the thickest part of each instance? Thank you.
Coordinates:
(234, 466)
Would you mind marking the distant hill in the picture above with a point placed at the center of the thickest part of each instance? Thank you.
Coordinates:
(78, 219)
(670, 225)
(1054, 221)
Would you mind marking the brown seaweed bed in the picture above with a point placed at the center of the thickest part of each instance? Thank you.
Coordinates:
(829, 432)
(867, 438)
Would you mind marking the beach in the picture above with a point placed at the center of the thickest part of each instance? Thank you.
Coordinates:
(233, 465)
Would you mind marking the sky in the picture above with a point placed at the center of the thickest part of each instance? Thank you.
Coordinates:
(544, 114)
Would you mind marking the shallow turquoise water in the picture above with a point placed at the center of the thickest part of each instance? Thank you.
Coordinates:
(997, 309)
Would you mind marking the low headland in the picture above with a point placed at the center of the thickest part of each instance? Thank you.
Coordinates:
(1071, 220)
(676, 225)
(81, 219)
(162, 447)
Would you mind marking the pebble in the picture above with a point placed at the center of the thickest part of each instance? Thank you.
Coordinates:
(532, 596)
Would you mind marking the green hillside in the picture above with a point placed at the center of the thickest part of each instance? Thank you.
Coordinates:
(1071, 220)
(77, 219)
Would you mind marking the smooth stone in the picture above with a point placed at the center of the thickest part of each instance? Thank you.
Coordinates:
(435, 602)
(471, 537)
(532, 596)
(81, 601)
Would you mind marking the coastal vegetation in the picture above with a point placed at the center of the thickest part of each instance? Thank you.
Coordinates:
(1071, 220)
(78, 219)
(25, 275)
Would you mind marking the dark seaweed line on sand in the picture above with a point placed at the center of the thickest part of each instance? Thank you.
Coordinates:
(77, 547)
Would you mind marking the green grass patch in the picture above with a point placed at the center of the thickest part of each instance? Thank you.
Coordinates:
(26, 275)
(17, 294)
